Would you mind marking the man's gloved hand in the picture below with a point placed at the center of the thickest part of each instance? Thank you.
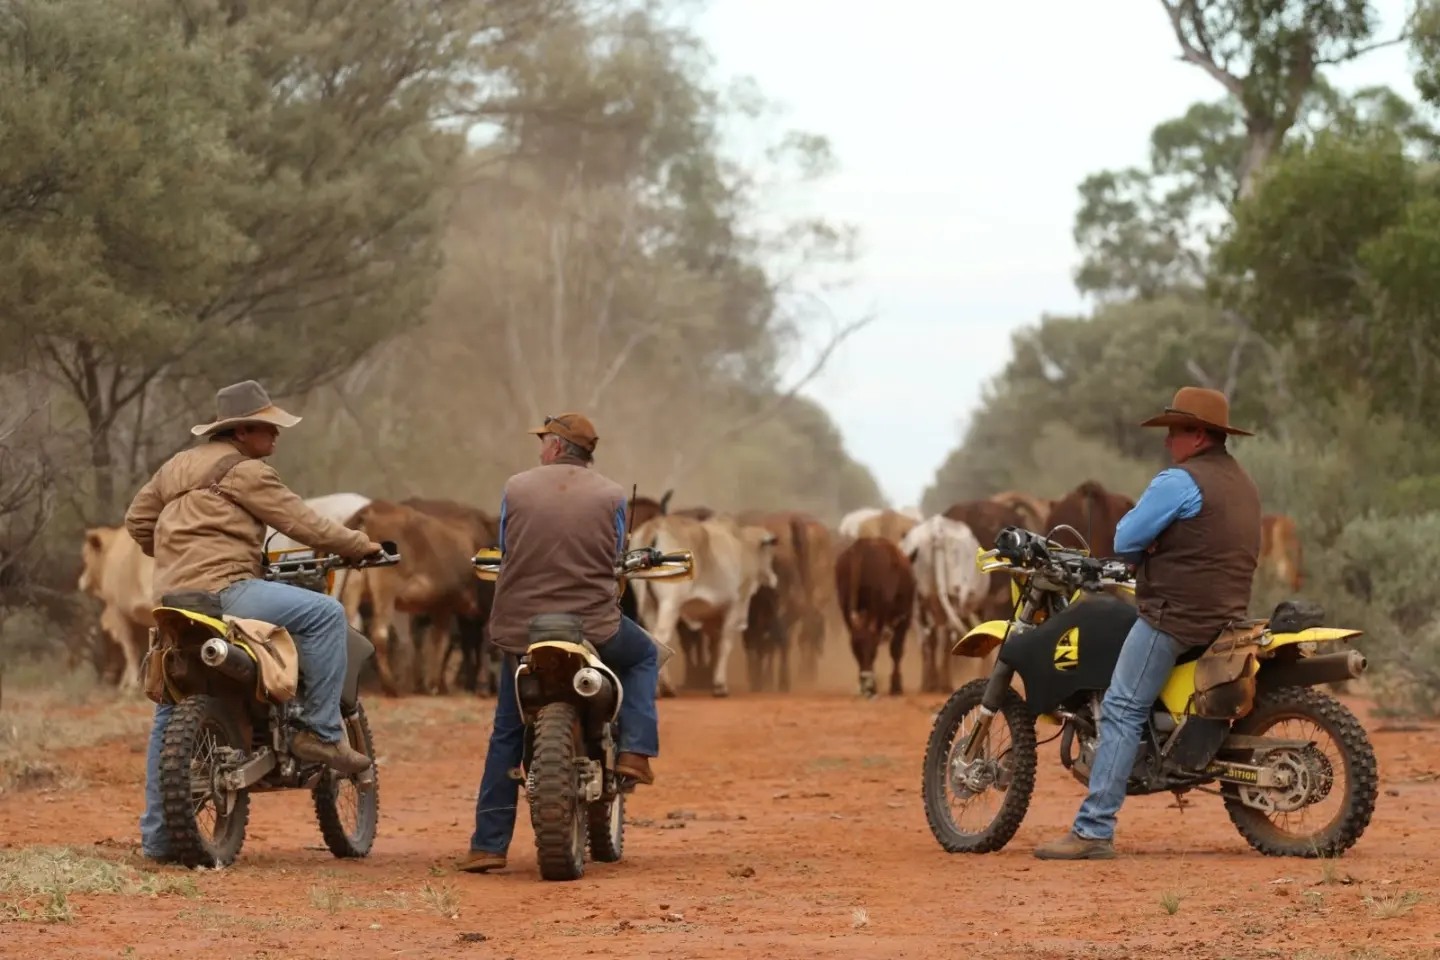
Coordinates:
(373, 550)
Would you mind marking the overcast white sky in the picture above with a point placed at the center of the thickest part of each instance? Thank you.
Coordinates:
(962, 131)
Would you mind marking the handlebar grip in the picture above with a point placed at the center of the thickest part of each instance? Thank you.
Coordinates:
(672, 558)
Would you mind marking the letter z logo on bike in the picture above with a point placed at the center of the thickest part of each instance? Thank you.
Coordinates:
(1067, 650)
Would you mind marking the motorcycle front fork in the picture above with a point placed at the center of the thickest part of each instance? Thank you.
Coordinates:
(990, 703)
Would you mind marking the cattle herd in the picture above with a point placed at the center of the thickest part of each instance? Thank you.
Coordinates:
(775, 584)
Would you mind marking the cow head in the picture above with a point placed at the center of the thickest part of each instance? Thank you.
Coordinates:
(763, 542)
(92, 556)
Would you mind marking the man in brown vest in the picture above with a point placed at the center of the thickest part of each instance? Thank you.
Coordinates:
(562, 530)
(1195, 537)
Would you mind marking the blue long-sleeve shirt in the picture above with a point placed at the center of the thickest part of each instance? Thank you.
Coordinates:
(1172, 495)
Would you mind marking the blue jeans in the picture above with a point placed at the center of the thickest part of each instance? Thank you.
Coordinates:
(1145, 663)
(633, 657)
(317, 622)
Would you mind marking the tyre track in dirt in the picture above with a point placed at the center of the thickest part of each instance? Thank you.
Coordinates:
(780, 827)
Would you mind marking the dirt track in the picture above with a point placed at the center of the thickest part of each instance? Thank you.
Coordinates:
(817, 795)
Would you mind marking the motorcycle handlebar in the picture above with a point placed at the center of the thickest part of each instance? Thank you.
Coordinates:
(388, 556)
(1031, 551)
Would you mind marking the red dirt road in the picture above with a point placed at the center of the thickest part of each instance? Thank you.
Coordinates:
(780, 827)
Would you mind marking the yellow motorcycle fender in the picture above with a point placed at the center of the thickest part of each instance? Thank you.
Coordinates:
(1180, 688)
(981, 639)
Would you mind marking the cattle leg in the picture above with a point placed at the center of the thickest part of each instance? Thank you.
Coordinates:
(117, 630)
(380, 636)
(897, 650)
(865, 645)
(433, 644)
(733, 626)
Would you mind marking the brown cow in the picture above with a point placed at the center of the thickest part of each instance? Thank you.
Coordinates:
(1033, 510)
(986, 519)
(794, 617)
(1094, 512)
(876, 589)
(889, 524)
(434, 577)
(1280, 549)
(476, 657)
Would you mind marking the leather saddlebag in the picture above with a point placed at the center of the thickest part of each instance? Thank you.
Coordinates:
(1225, 673)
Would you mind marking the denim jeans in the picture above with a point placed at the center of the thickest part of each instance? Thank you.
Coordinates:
(634, 658)
(1145, 663)
(317, 622)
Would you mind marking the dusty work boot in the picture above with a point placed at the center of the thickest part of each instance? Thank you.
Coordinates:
(1072, 846)
(635, 766)
(340, 756)
(478, 861)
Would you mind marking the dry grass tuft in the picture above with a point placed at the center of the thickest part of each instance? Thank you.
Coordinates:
(42, 880)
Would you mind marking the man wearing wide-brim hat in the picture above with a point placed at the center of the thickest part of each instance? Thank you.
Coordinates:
(1195, 536)
(203, 517)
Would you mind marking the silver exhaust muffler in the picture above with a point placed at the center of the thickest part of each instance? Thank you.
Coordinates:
(588, 681)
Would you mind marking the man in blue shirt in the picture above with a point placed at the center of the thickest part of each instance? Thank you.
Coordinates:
(1195, 538)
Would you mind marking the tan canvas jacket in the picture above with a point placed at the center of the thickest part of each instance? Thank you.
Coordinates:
(208, 539)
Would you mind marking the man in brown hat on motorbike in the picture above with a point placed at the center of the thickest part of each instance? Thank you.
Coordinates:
(203, 517)
(562, 531)
(1195, 537)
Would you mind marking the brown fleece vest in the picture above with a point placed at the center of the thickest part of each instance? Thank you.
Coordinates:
(1200, 575)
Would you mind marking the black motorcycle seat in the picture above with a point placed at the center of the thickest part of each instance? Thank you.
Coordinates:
(196, 601)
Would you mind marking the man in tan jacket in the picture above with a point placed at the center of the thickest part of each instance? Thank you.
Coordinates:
(203, 517)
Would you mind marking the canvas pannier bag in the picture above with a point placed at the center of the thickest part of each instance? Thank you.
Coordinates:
(275, 653)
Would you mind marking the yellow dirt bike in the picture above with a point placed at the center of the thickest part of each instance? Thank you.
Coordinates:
(1215, 722)
(570, 703)
(229, 735)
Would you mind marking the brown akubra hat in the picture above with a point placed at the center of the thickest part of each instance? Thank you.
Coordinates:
(1197, 407)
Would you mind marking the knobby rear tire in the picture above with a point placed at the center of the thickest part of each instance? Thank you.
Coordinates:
(192, 719)
(556, 812)
(936, 774)
(1362, 780)
(607, 829)
(326, 795)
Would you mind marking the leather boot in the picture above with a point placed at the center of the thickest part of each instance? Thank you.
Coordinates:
(340, 756)
(1072, 846)
(635, 766)
(479, 861)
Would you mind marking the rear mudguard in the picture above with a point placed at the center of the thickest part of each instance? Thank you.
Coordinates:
(554, 664)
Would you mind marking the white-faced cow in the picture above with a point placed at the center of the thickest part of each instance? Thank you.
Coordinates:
(950, 591)
(732, 561)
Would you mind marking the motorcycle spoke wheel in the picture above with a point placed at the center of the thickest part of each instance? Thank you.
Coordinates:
(1331, 787)
(976, 807)
(198, 828)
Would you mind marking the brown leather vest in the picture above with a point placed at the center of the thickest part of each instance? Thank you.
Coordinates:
(561, 544)
(1200, 575)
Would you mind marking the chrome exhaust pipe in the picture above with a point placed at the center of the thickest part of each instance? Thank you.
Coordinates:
(214, 652)
(228, 659)
(588, 681)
